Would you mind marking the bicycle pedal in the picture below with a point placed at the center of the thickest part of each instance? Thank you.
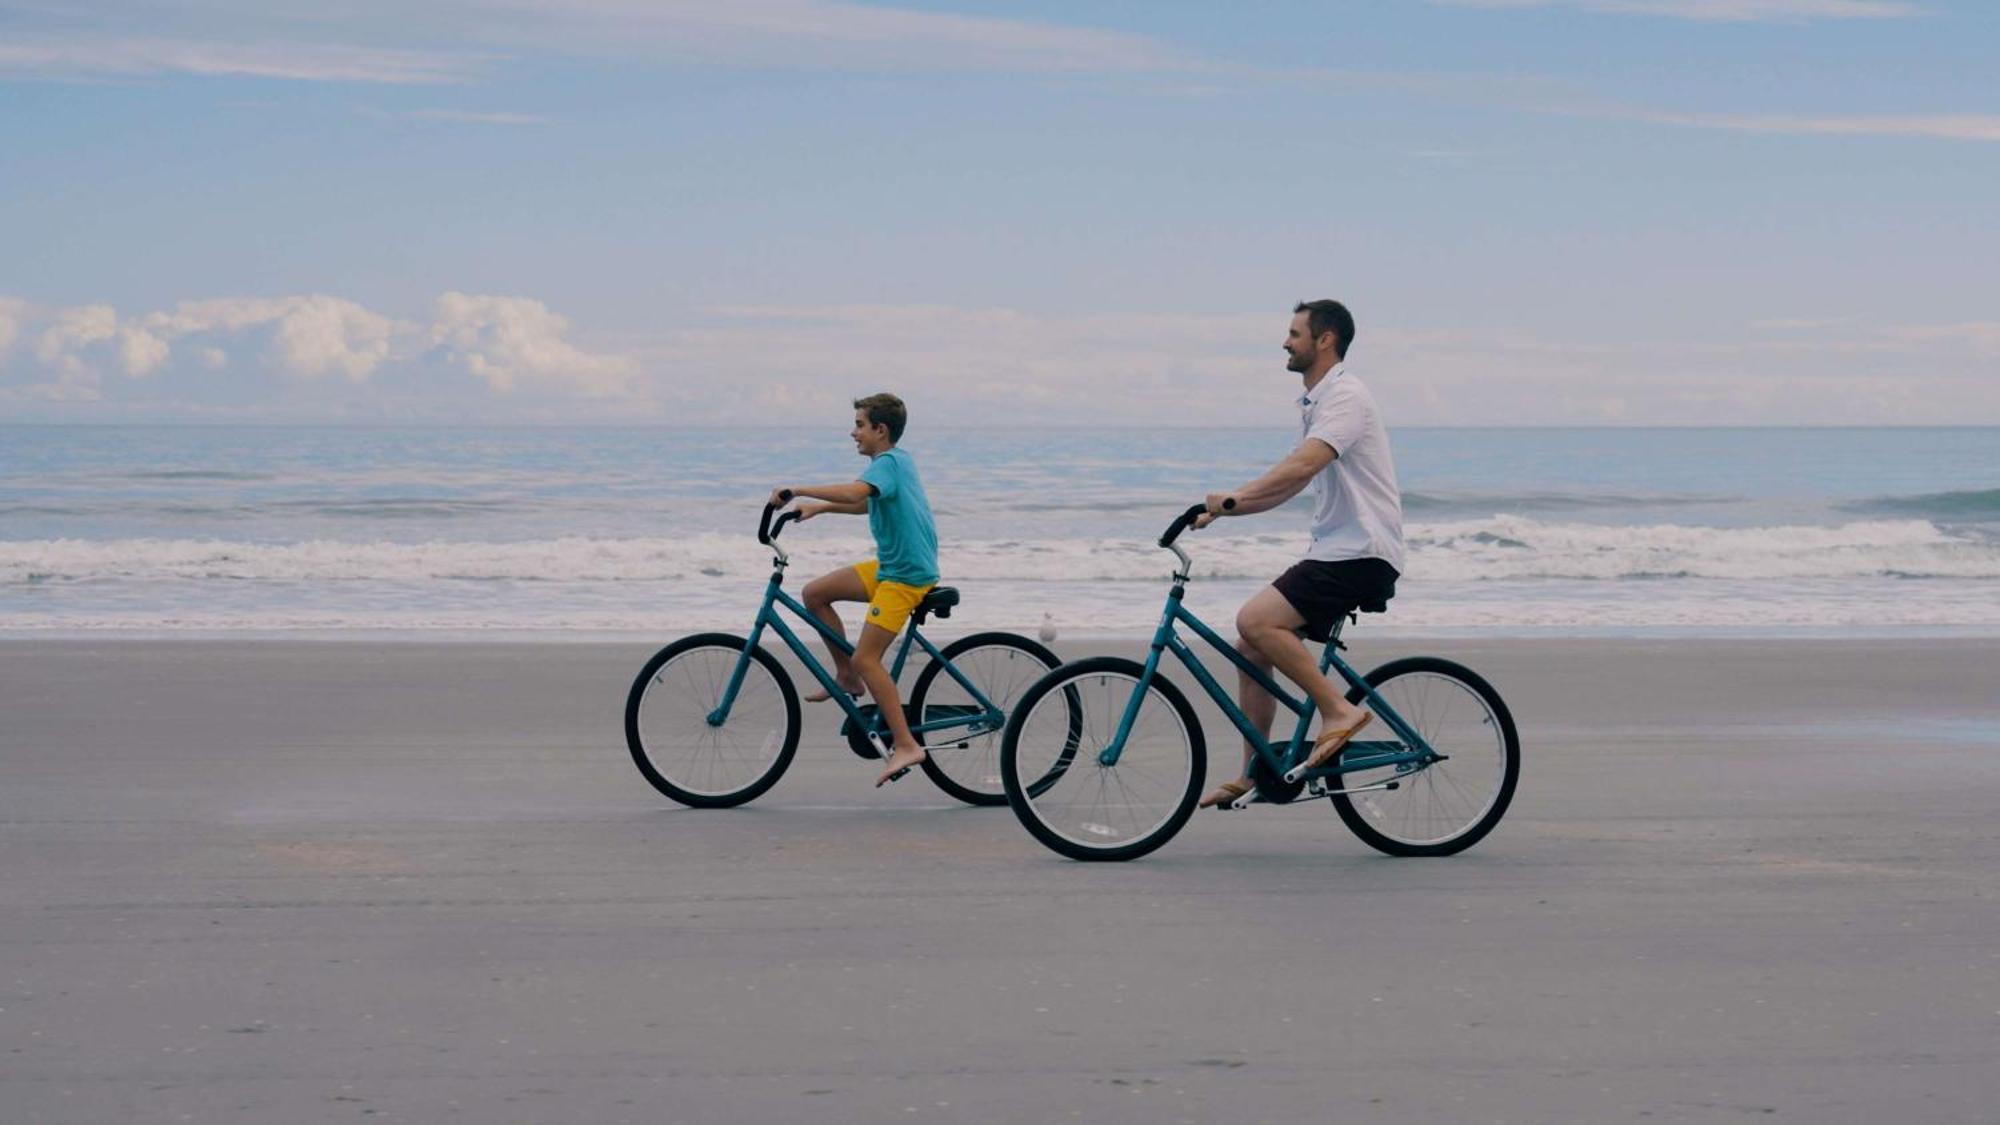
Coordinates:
(1245, 801)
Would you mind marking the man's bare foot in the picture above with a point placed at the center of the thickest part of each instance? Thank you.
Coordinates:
(899, 763)
(853, 690)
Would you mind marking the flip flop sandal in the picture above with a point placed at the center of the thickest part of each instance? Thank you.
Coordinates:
(1227, 792)
(1330, 742)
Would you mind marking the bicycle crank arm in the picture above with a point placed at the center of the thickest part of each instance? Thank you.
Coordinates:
(1318, 788)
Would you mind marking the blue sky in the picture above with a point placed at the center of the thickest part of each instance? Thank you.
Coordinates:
(1565, 212)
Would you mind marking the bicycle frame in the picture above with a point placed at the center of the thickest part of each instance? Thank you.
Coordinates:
(1408, 755)
(991, 718)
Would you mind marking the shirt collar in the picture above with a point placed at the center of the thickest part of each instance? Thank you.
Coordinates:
(1312, 396)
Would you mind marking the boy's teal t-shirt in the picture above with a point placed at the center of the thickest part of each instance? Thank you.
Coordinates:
(899, 516)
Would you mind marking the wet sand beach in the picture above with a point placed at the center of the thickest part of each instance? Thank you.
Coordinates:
(349, 880)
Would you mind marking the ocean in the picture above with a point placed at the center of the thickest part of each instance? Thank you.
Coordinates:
(590, 532)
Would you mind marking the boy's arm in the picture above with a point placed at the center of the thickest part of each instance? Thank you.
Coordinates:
(853, 492)
(808, 511)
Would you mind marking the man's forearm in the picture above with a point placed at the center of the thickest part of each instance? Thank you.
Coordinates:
(1270, 490)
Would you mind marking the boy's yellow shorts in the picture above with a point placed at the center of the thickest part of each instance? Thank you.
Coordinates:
(890, 604)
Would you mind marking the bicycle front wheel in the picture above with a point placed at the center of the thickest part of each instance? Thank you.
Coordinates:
(1052, 765)
(1447, 806)
(705, 764)
(964, 761)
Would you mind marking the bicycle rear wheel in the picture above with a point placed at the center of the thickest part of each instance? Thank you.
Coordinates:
(691, 760)
(1447, 806)
(1002, 666)
(1066, 797)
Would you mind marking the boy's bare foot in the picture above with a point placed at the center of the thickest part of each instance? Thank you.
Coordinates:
(900, 763)
(853, 690)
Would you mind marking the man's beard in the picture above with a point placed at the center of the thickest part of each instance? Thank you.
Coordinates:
(1294, 362)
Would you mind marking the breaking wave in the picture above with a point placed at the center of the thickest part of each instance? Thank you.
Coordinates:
(1498, 548)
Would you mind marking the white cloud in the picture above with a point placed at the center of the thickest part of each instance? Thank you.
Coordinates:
(85, 53)
(139, 351)
(280, 40)
(824, 32)
(13, 311)
(510, 358)
(1730, 11)
(474, 117)
(72, 331)
(1939, 126)
(509, 345)
(968, 366)
(512, 341)
(312, 336)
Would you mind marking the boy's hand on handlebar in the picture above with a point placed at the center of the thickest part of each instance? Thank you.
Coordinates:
(808, 511)
(779, 498)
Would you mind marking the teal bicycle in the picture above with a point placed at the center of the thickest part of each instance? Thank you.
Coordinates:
(1117, 758)
(713, 720)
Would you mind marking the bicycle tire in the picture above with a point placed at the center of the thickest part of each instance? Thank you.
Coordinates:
(1375, 821)
(1038, 806)
(969, 768)
(673, 720)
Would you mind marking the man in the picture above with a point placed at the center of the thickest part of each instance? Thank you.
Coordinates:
(1357, 535)
(903, 571)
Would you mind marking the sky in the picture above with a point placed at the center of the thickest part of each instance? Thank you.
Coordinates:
(1541, 212)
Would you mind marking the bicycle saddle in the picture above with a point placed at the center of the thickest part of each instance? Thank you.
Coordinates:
(939, 601)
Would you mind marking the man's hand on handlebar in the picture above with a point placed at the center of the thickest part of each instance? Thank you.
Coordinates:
(779, 498)
(1218, 503)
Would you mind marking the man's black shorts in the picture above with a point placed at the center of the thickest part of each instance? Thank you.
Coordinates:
(1324, 592)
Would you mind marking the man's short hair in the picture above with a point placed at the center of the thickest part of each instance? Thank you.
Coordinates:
(1329, 316)
(885, 409)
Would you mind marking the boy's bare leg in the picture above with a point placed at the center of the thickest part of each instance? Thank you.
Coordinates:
(904, 751)
(843, 585)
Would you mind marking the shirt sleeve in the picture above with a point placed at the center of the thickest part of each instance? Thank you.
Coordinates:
(1340, 421)
(883, 475)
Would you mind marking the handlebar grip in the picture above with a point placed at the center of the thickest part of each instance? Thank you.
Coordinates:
(765, 532)
(1181, 523)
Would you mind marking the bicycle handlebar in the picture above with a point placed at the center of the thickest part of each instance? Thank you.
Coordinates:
(1182, 521)
(765, 532)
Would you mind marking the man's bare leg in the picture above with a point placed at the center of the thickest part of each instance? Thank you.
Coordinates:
(1267, 634)
(904, 751)
(1258, 705)
(842, 585)
(1271, 626)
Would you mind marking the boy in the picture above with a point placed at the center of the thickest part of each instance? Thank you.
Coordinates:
(903, 571)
